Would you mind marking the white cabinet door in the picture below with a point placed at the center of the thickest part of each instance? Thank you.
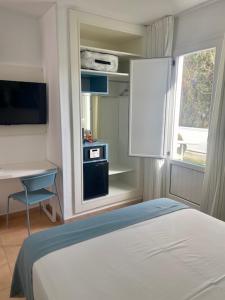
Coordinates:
(149, 89)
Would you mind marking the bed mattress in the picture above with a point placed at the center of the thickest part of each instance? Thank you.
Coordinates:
(178, 256)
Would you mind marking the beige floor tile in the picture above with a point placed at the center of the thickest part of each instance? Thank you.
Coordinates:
(4, 295)
(13, 238)
(14, 224)
(11, 254)
(5, 276)
(3, 258)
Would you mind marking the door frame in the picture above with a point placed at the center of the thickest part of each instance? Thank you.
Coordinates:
(212, 43)
(75, 19)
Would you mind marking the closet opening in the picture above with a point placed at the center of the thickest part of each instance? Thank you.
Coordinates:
(105, 114)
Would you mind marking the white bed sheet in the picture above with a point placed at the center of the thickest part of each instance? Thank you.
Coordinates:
(179, 256)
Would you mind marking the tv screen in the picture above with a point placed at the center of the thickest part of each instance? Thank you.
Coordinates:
(22, 103)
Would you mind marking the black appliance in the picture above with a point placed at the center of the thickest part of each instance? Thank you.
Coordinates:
(95, 170)
(22, 103)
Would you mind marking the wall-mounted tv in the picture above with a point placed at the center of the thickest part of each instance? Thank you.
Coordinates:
(22, 103)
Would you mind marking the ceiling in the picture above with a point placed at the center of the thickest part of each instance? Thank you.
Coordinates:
(133, 11)
(32, 7)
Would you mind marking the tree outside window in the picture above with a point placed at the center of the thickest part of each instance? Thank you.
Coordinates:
(194, 97)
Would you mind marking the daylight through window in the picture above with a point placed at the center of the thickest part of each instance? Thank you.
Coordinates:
(193, 102)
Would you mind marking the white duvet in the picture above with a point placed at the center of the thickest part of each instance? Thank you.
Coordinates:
(179, 256)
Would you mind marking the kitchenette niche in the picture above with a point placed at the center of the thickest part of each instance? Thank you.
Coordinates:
(114, 106)
(105, 118)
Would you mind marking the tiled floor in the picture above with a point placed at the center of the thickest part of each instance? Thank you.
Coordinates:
(11, 240)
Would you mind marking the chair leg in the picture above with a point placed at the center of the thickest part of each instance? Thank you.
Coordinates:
(57, 195)
(28, 219)
(7, 215)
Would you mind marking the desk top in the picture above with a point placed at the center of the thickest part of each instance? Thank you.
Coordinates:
(18, 170)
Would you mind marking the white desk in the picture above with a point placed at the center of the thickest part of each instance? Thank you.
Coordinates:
(18, 170)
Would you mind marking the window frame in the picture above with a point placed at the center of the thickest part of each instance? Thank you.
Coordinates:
(177, 80)
(180, 49)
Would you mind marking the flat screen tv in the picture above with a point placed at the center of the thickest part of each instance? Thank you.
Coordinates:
(22, 103)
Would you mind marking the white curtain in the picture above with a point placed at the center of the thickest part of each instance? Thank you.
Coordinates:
(160, 37)
(213, 198)
(159, 44)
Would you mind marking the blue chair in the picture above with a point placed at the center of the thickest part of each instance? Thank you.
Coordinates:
(35, 192)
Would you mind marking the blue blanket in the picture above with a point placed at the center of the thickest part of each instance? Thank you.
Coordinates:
(45, 242)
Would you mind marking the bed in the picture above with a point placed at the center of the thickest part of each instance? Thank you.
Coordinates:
(158, 250)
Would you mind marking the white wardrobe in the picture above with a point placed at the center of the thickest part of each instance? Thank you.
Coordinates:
(130, 119)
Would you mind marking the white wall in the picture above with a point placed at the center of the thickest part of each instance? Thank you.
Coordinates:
(199, 27)
(20, 39)
(51, 77)
(20, 59)
(66, 109)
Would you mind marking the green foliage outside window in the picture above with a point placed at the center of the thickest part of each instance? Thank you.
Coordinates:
(197, 82)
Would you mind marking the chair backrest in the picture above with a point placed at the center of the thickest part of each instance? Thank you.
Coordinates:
(37, 182)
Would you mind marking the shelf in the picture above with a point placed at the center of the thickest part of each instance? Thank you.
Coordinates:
(111, 75)
(113, 52)
(113, 170)
(118, 188)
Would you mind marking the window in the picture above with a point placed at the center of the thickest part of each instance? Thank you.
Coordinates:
(193, 101)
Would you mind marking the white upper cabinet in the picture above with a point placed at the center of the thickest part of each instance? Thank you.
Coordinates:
(149, 89)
